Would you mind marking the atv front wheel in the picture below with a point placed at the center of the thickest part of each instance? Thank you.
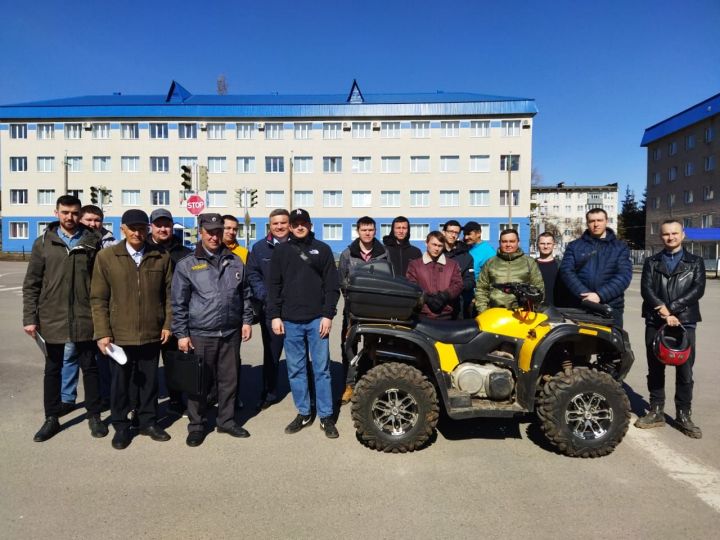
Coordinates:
(584, 412)
(394, 408)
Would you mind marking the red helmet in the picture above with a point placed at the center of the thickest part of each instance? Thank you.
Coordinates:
(672, 345)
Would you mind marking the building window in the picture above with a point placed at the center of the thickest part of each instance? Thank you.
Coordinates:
(74, 163)
(419, 198)
(45, 131)
(505, 226)
(480, 163)
(655, 203)
(656, 178)
(302, 130)
(514, 162)
(274, 164)
(515, 197)
(101, 164)
(303, 164)
(215, 131)
(18, 164)
(18, 196)
(332, 199)
(510, 128)
(709, 163)
(653, 228)
(671, 200)
(217, 199)
(708, 193)
(303, 199)
(361, 164)
(332, 231)
(46, 197)
(706, 221)
(41, 226)
(217, 165)
(45, 164)
(390, 164)
(450, 128)
(420, 130)
(479, 197)
(332, 130)
(687, 222)
(420, 164)
(275, 199)
(568, 209)
(19, 230)
(101, 131)
(76, 193)
(129, 130)
(130, 197)
(449, 164)
(187, 131)
(241, 231)
(18, 131)
(672, 148)
(480, 128)
(73, 131)
(273, 131)
(449, 198)
(160, 197)
(689, 168)
(188, 161)
(332, 164)
(158, 130)
(689, 142)
(709, 134)
(390, 199)
(672, 174)
(361, 130)
(361, 199)
(246, 164)
(245, 130)
(657, 154)
(160, 164)
(130, 164)
(390, 130)
(688, 196)
(419, 231)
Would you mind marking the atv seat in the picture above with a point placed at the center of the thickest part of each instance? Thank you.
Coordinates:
(455, 332)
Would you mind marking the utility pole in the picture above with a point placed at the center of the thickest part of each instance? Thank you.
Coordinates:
(245, 196)
(290, 169)
(508, 164)
(65, 174)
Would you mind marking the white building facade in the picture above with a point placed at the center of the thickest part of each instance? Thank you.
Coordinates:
(429, 157)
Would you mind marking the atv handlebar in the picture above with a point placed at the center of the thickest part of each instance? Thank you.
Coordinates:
(601, 309)
(527, 295)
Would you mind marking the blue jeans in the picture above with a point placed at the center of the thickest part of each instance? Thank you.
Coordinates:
(296, 334)
(70, 374)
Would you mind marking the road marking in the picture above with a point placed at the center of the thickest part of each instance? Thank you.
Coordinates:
(3, 289)
(703, 479)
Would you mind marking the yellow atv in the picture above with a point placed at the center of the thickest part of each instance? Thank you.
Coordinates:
(566, 365)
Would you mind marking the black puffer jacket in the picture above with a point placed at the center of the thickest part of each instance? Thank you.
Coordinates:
(680, 291)
(400, 253)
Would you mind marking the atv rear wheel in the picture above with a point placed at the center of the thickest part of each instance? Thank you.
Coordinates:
(583, 412)
(394, 408)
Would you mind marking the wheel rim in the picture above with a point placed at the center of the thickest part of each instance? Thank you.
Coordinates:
(395, 412)
(589, 416)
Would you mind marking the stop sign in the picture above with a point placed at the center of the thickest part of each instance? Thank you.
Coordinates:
(195, 204)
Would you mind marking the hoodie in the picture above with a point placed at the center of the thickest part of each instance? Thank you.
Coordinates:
(400, 252)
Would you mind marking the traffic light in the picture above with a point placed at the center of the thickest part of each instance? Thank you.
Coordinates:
(186, 176)
(239, 197)
(94, 192)
(106, 196)
(190, 235)
(203, 184)
(253, 198)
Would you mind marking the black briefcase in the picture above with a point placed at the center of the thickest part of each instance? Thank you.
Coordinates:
(184, 372)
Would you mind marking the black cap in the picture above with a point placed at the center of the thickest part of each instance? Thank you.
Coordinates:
(211, 222)
(160, 213)
(300, 215)
(135, 217)
(471, 226)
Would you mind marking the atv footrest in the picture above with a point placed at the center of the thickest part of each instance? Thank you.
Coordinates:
(486, 408)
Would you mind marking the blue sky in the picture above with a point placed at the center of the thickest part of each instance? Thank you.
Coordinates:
(601, 72)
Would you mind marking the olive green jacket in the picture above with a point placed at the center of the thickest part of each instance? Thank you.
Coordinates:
(505, 268)
(131, 303)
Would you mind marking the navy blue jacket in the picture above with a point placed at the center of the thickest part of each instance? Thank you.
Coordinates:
(258, 267)
(600, 265)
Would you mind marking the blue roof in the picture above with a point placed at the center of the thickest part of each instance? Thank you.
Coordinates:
(705, 109)
(711, 234)
(178, 102)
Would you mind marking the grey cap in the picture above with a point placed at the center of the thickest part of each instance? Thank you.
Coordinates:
(160, 213)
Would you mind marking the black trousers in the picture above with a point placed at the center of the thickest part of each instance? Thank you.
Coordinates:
(656, 374)
(350, 372)
(52, 380)
(171, 345)
(135, 385)
(272, 350)
(220, 356)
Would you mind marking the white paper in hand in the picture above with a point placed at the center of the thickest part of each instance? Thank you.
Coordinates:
(116, 353)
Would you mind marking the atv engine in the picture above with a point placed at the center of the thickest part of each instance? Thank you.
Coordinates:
(483, 380)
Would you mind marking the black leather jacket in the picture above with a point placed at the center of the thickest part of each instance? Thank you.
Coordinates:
(680, 291)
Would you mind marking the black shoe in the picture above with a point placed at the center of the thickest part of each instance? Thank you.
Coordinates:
(266, 402)
(687, 426)
(66, 408)
(97, 428)
(235, 431)
(195, 438)
(121, 439)
(300, 421)
(176, 408)
(49, 429)
(655, 417)
(328, 426)
(156, 433)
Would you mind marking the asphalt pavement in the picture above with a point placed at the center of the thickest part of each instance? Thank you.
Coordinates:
(477, 478)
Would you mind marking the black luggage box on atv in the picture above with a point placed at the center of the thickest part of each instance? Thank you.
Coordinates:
(371, 295)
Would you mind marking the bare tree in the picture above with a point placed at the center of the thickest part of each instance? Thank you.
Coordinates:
(222, 85)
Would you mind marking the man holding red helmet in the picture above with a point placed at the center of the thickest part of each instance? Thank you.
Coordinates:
(673, 281)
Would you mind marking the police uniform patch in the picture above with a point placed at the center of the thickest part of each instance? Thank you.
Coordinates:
(201, 266)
